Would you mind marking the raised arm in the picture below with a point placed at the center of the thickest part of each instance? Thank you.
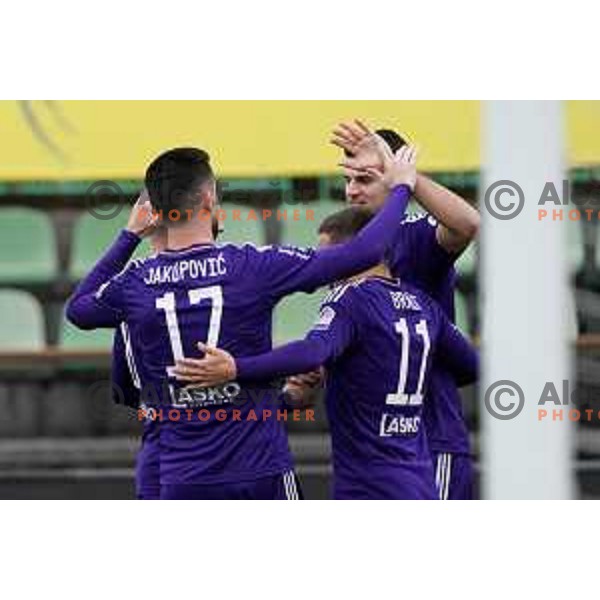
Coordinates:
(307, 271)
(333, 263)
(83, 308)
(458, 220)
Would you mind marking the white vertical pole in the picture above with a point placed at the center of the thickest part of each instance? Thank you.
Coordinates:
(524, 275)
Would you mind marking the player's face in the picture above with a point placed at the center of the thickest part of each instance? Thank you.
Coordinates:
(363, 189)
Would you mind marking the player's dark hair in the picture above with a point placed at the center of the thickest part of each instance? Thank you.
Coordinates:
(345, 224)
(173, 178)
(394, 140)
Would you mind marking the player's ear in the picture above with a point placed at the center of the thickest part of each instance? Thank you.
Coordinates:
(208, 198)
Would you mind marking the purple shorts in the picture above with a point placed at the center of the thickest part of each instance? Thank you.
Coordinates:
(283, 486)
(453, 476)
(397, 482)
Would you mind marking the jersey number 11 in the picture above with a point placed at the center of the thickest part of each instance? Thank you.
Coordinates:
(400, 397)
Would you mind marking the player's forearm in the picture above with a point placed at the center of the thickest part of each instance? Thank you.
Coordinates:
(83, 309)
(112, 262)
(87, 312)
(452, 211)
(366, 249)
(296, 357)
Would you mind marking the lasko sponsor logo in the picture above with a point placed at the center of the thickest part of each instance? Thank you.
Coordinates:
(398, 425)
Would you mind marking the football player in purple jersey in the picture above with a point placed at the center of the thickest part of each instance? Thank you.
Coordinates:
(217, 443)
(125, 382)
(424, 254)
(377, 338)
(126, 389)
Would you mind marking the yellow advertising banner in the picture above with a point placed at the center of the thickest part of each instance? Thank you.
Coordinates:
(85, 140)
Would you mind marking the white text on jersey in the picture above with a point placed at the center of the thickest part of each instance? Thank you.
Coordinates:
(192, 269)
(405, 301)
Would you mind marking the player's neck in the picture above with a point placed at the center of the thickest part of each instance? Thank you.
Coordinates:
(379, 270)
(189, 234)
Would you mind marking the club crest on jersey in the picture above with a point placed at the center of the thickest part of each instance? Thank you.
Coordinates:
(326, 317)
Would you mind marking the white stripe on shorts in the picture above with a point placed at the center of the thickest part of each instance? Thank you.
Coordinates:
(289, 481)
(439, 477)
(448, 476)
(438, 468)
(443, 475)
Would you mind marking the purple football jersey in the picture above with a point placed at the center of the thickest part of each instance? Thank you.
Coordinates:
(377, 339)
(417, 258)
(384, 337)
(223, 296)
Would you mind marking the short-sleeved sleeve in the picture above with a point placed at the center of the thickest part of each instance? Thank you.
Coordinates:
(416, 254)
(336, 325)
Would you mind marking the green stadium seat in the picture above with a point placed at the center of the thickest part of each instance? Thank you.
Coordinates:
(76, 339)
(21, 321)
(28, 247)
(303, 232)
(461, 310)
(295, 315)
(244, 230)
(92, 236)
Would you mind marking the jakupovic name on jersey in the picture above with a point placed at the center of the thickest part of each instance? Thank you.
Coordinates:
(191, 269)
